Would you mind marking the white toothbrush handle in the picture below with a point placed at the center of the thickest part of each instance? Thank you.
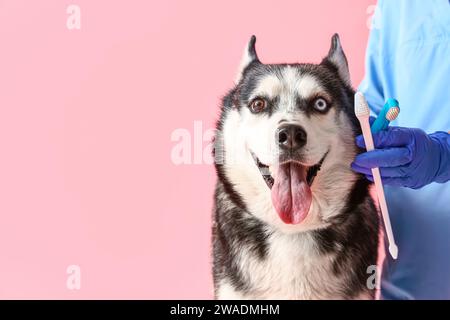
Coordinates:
(367, 134)
(393, 250)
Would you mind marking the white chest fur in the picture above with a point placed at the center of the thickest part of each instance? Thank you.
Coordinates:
(292, 269)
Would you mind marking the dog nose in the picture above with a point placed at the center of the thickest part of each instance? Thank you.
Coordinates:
(291, 137)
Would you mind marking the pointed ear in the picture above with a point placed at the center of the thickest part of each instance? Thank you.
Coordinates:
(337, 57)
(248, 57)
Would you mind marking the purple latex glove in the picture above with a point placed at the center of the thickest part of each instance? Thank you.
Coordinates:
(406, 157)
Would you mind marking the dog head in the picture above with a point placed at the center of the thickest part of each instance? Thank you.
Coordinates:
(285, 139)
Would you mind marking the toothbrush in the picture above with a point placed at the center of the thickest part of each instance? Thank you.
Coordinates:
(389, 113)
(362, 112)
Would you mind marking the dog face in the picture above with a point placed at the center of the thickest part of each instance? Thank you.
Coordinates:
(287, 135)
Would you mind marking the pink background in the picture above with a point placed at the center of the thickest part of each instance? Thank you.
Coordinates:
(86, 118)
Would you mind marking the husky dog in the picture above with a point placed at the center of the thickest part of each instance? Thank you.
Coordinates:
(291, 219)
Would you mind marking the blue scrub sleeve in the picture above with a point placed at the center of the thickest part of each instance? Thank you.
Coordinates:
(372, 84)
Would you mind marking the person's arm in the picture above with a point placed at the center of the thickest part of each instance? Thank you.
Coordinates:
(443, 139)
(406, 157)
(372, 84)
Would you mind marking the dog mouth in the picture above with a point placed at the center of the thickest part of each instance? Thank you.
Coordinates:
(291, 187)
(311, 171)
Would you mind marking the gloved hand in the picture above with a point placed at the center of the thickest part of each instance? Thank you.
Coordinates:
(406, 157)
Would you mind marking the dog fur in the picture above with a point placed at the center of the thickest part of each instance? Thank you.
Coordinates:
(255, 254)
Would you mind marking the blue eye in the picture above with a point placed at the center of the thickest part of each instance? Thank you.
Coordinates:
(320, 104)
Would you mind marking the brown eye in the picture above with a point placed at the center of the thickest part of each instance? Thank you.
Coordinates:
(258, 105)
(320, 104)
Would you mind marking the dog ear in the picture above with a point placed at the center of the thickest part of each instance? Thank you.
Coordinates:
(337, 57)
(248, 58)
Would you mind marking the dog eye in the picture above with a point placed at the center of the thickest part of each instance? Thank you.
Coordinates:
(258, 105)
(320, 104)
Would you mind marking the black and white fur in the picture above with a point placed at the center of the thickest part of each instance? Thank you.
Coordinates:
(255, 254)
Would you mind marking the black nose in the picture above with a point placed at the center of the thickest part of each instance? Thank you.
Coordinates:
(291, 137)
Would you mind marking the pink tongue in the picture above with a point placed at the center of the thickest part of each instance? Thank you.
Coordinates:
(291, 195)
